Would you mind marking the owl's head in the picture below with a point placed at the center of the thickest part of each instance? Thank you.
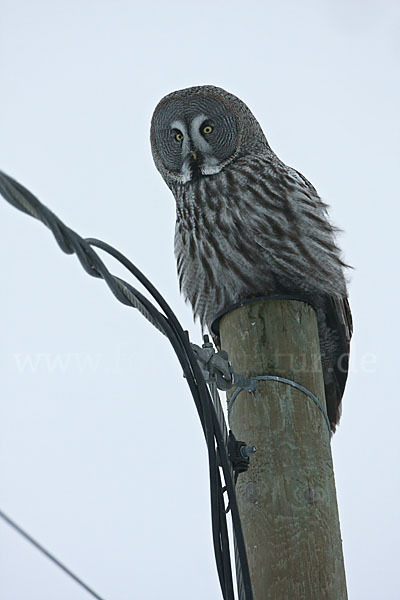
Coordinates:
(197, 131)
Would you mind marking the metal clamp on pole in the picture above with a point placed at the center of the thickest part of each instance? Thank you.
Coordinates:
(216, 368)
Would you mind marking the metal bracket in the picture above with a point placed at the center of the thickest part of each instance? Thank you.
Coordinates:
(217, 369)
(215, 366)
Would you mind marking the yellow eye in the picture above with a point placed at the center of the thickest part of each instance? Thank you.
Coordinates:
(179, 136)
(207, 129)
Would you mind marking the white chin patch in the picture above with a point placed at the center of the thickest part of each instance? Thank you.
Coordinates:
(210, 169)
(186, 172)
(185, 177)
(207, 169)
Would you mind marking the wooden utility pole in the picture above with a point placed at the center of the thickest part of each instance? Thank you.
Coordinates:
(287, 499)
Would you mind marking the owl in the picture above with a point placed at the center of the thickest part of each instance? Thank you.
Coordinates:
(247, 225)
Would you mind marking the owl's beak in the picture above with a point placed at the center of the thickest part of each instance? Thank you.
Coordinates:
(194, 154)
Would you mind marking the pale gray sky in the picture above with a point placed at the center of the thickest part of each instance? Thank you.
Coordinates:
(84, 447)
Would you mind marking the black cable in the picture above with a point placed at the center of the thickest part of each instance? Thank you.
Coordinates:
(94, 267)
(168, 324)
(49, 555)
(230, 485)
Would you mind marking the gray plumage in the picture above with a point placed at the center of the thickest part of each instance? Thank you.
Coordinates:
(248, 225)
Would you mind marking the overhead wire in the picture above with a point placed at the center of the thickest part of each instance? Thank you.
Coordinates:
(167, 323)
(49, 555)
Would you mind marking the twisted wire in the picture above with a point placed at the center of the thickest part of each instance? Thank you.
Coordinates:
(167, 323)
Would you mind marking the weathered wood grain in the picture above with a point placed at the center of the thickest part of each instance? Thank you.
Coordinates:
(287, 499)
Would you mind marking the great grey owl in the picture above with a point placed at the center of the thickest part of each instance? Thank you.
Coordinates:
(247, 225)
